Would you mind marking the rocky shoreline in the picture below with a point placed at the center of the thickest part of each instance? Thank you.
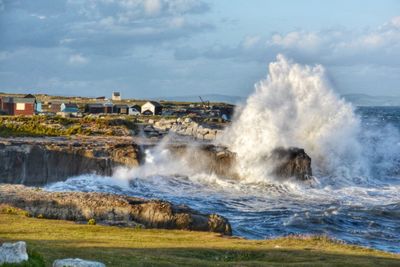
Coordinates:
(110, 209)
(40, 161)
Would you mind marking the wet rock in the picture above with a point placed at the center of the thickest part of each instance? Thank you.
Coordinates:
(291, 162)
(13, 252)
(286, 163)
(77, 263)
(110, 209)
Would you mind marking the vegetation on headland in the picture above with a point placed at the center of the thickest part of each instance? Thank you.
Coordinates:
(35, 126)
(116, 246)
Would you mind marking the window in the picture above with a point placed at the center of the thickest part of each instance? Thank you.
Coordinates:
(20, 106)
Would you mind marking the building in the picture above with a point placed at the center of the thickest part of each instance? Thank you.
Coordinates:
(151, 108)
(18, 105)
(121, 109)
(99, 108)
(55, 106)
(134, 110)
(108, 107)
(69, 108)
(116, 96)
(38, 108)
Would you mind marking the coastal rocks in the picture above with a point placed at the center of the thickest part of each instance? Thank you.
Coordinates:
(106, 208)
(211, 159)
(38, 163)
(291, 162)
(13, 252)
(188, 127)
(208, 159)
(77, 263)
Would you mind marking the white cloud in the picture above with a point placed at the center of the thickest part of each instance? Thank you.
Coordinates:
(251, 41)
(152, 7)
(379, 46)
(77, 59)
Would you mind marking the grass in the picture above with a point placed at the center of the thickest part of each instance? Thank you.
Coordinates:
(34, 126)
(115, 246)
(35, 260)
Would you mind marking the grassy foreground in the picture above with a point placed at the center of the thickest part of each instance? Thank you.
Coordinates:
(139, 247)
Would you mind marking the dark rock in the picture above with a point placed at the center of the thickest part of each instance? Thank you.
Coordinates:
(286, 162)
(291, 162)
(34, 163)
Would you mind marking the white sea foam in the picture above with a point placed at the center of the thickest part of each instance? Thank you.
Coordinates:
(296, 107)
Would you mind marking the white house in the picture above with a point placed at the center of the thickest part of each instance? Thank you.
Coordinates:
(134, 110)
(116, 96)
(152, 108)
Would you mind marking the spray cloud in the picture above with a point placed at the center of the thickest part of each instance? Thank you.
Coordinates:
(296, 107)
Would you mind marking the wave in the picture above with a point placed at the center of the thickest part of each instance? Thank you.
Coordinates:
(296, 107)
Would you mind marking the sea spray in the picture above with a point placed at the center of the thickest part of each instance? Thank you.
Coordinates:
(296, 107)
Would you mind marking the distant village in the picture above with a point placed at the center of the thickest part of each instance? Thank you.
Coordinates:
(27, 105)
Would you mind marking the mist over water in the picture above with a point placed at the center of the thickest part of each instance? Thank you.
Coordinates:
(355, 158)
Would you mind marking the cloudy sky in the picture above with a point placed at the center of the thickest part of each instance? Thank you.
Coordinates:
(150, 48)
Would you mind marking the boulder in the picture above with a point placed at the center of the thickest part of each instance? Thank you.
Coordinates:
(291, 162)
(77, 263)
(13, 252)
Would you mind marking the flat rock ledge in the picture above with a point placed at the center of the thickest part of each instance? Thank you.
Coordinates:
(77, 263)
(110, 209)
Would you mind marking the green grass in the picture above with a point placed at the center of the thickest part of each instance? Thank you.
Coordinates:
(35, 260)
(145, 247)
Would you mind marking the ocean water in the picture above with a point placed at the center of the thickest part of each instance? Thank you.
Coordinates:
(355, 194)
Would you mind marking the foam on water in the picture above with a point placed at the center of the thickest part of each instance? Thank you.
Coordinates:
(355, 160)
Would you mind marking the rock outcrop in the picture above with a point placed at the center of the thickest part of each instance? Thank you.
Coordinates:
(42, 161)
(291, 162)
(110, 209)
(207, 159)
(13, 253)
(77, 263)
(33, 162)
(286, 162)
(188, 127)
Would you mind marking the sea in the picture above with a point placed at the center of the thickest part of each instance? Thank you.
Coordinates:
(355, 192)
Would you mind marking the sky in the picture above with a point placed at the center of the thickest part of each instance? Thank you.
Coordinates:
(155, 48)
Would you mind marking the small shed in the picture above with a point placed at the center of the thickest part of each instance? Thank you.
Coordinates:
(69, 108)
(18, 105)
(116, 96)
(134, 110)
(121, 109)
(55, 106)
(151, 108)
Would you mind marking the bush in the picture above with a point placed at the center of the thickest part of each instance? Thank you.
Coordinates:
(91, 222)
(10, 210)
(26, 213)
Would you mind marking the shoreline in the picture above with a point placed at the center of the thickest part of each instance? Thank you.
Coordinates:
(116, 246)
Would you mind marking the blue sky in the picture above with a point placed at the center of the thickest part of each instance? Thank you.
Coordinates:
(150, 48)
